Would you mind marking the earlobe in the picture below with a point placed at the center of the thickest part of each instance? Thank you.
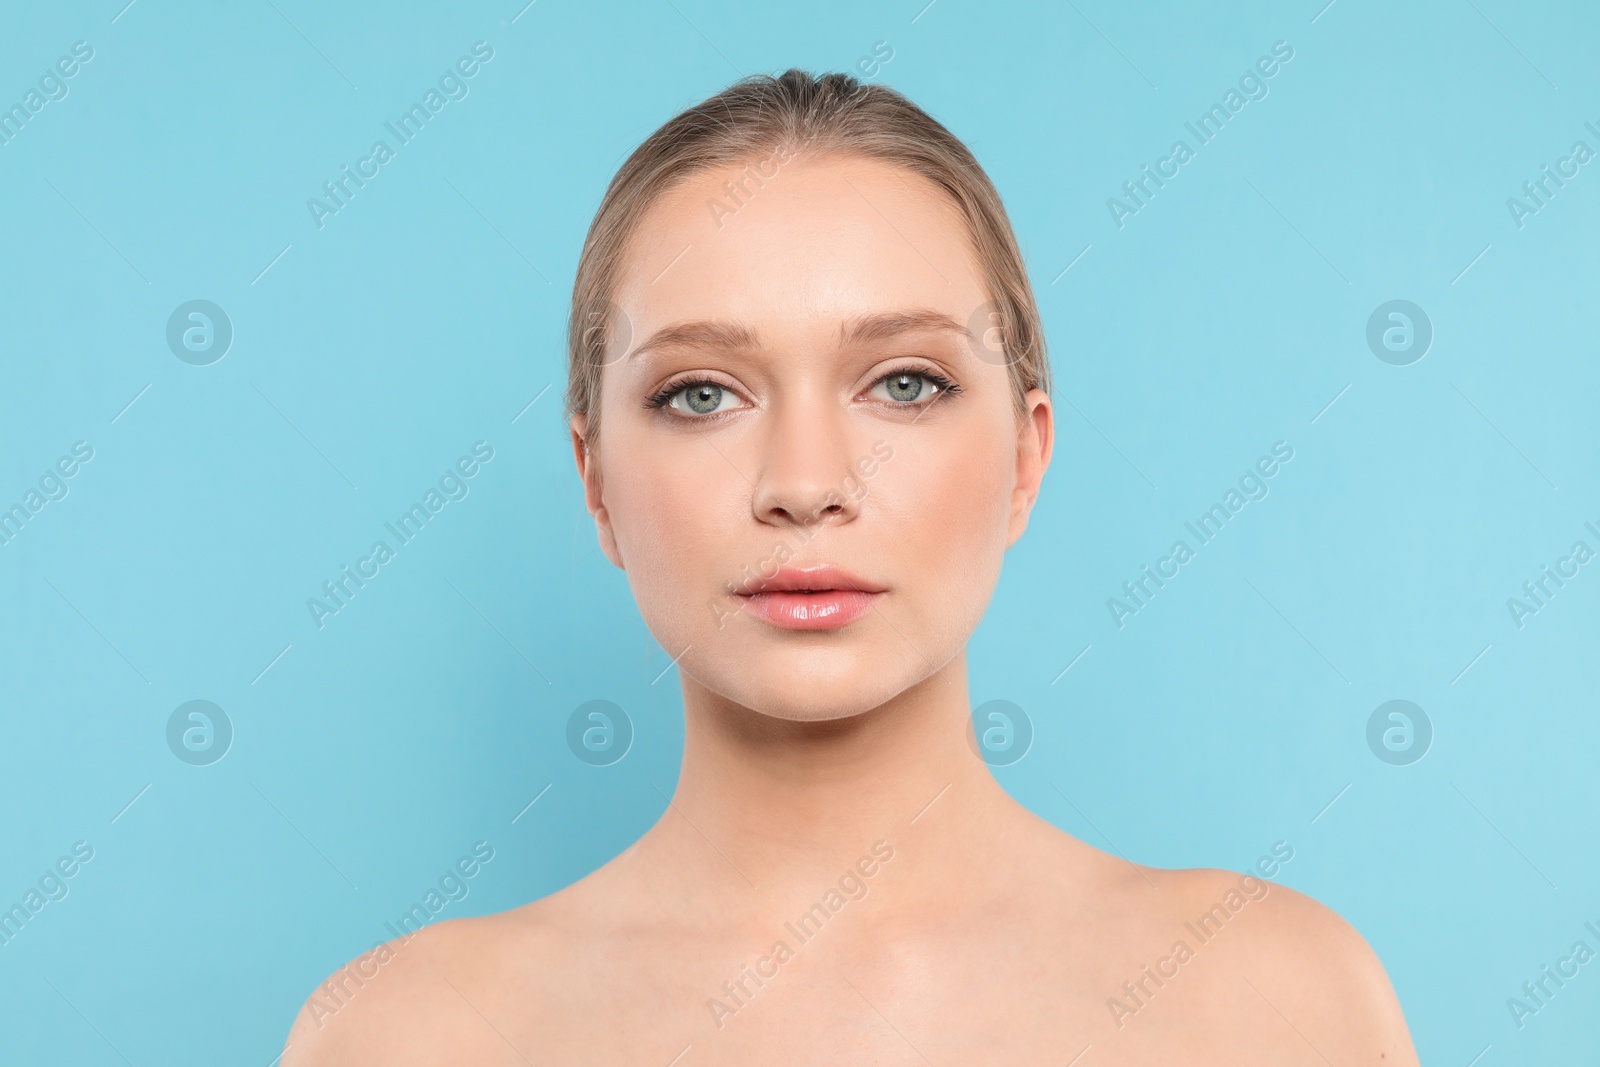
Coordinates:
(589, 472)
(1035, 440)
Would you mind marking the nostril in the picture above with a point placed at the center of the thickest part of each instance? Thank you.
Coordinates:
(822, 508)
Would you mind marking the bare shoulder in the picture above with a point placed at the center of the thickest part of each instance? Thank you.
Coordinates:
(431, 997)
(1293, 962)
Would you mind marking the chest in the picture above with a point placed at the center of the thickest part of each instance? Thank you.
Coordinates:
(1011, 1001)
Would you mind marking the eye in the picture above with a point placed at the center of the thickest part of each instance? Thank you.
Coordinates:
(696, 399)
(910, 387)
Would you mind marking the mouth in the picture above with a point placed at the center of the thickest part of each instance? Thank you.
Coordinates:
(811, 598)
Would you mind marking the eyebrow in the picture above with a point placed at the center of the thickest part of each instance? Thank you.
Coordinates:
(887, 324)
(699, 334)
(863, 329)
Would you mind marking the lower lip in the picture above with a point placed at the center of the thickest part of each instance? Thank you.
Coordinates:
(825, 610)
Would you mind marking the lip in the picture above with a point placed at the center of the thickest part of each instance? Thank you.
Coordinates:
(824, 597)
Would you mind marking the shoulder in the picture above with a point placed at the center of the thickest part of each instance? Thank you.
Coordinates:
(418, 999)
(1292, 961)
(503, 987)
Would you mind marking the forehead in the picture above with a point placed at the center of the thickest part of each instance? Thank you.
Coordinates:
(796, 248)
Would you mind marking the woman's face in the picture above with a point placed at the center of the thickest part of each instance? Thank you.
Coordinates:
(809, 464)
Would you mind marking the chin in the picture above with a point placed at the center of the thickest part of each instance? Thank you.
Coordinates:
(793, 698)
(810, 677)
(816, 675)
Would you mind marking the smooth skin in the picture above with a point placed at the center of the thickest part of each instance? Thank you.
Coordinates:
(988, 936)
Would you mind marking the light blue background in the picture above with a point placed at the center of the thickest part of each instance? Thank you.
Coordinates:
(427, 314)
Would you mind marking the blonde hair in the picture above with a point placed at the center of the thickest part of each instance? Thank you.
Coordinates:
(756, 118)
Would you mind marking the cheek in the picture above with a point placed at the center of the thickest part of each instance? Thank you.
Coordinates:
(672, 504)
(947, 506)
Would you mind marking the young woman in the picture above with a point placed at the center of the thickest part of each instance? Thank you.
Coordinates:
(810, 410)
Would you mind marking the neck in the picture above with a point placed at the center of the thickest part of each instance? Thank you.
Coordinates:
(764, 806)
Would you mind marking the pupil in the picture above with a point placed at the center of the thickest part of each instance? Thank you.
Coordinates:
(905, 386)
(704, 399)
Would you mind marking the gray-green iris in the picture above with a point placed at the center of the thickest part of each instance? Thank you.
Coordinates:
(704, 399)
(904, 386)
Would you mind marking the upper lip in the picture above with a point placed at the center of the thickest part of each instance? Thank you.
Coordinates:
(815, 579)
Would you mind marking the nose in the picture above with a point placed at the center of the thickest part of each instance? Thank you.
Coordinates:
(806, 475)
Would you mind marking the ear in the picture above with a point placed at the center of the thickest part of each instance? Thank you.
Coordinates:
(1035, 439)
(589, 471)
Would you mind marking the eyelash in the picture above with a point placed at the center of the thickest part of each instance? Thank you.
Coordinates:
(663, 397)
